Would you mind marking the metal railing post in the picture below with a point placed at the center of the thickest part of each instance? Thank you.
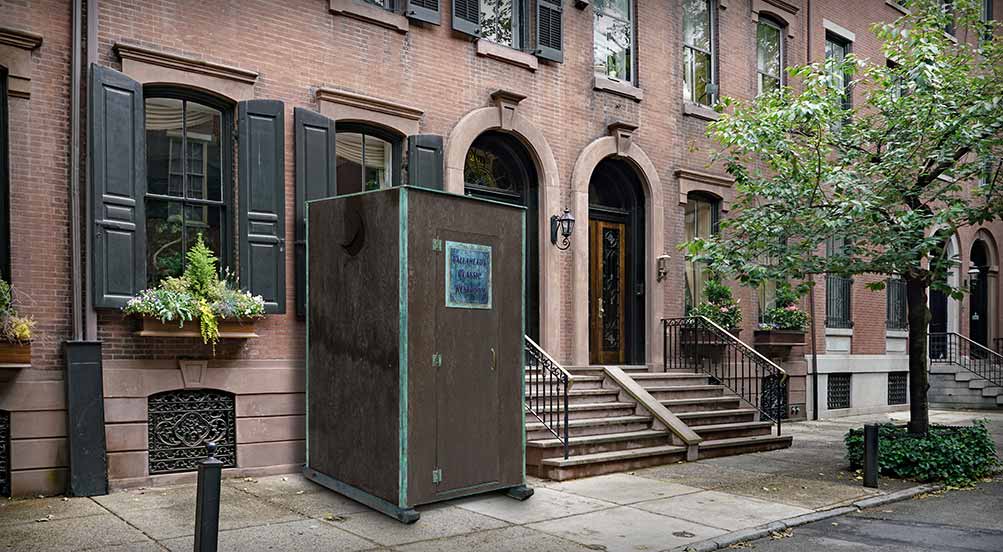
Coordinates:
(210, 473)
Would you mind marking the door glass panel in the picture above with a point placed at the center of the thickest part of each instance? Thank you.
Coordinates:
(612, 241)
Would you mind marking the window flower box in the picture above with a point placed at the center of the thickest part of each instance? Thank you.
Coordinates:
(235, 329)
(777, 343)
(15, 355)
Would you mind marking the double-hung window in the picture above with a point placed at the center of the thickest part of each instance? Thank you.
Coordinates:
(500, 22)
(769, 55)
(367, 158)
(507, 23)
(614, 39)
(188, 166)
(701, 221)
(836, 49)
(699, 51)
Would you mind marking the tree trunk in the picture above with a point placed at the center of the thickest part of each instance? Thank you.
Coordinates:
(919, 323)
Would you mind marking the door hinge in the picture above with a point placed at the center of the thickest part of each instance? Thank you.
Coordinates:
(436, 360)
(436, 476)
(436, 244)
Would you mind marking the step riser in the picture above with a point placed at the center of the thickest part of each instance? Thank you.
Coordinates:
(598, 413)
(535, 455)
(703, 407)
(742, 449)
(669, 381)
(602, 468)
(590, 430)
(575, 385)
(733, 433)
(582, 399)
(686, 393)
(714, 419)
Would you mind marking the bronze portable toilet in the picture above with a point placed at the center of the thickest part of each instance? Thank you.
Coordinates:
(414, 348)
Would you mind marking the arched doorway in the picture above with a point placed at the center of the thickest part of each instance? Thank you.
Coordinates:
(978, 276)
(616, 264)
(499, 168)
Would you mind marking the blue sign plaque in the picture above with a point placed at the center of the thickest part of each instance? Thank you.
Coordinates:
(468, 275)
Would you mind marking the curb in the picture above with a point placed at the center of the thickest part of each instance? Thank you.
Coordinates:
(760, 531)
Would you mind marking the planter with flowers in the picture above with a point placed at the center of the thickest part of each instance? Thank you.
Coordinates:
(15, 332)
(783, 326)
(719, 307)
(197, 304)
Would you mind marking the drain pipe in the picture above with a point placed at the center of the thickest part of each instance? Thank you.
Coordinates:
(76, 278)
(814, 353)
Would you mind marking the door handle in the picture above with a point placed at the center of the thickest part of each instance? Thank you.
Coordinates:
(494, 359)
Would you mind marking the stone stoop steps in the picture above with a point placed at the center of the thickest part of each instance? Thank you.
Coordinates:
(609, 432)
(952, 386)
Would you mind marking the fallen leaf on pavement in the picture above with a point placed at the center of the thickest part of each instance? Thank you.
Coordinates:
(785, 534)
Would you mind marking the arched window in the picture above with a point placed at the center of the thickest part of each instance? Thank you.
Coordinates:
(189, 160)
(701, 219)
(369, 158)
(769, 55)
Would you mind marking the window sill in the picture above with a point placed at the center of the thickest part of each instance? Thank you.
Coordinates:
(619, 88)
(898, 7)
(486, 48)
(840, 332)
(896, 334)
(370, 14)
(700, 111)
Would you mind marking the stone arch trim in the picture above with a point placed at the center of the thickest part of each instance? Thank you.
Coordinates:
(990, 241)
(506, 117)
(780, 11)
(617, 147)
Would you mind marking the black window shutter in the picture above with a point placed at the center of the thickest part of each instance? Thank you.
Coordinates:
(117, 143)
(424, 10)
(261, 169)
(424, 161)
(467, 16)
(549, 30)
(315, 179)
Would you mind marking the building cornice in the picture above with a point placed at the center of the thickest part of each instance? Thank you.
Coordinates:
(184, 63)
(368, 103)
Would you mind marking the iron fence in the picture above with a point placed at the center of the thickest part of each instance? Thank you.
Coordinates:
(547, 384)
(697, 343)
(954, 348)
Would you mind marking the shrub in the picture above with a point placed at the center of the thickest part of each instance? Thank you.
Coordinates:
(14, 328)
(720, 306)
(785, 314)
(199, 294)
(958, 456)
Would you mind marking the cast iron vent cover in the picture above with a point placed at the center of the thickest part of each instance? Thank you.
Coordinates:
(897, 385)
(182, 422)
(839, 391)
(4, 453)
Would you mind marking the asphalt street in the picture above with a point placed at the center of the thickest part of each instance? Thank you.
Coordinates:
(969, 520)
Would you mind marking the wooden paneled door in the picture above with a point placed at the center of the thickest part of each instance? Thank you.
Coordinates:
(608, 289)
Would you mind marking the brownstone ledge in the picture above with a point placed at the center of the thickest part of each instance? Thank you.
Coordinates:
(184, 63)
(20, 39)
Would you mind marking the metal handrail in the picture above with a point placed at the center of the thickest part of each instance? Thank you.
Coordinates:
(979, 360)
(547, 391)
(743, 370)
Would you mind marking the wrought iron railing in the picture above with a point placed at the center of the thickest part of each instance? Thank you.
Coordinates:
(838, 290)
(547, 384)
(697, 343)
(954, 348)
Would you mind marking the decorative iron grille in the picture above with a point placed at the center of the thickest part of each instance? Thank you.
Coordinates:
(897, 386)
(183, 421)
(895, 309)
(774, 395)
(839, 391)
(4, 453)
(611, 289)
(837, 301)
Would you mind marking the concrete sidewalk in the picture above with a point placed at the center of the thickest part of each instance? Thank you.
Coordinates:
(652, 509)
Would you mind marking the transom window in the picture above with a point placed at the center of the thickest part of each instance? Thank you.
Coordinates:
(836, 49)
(614, 39)
(701, 221)
(769, 55)
(500, 21)
(367, 158)
(188, 164)
(698, 51)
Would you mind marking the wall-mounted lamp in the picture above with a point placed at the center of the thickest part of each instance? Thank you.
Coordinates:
(663, 267)
(563, 225)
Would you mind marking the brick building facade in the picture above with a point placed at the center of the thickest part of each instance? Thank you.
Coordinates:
(546, 115)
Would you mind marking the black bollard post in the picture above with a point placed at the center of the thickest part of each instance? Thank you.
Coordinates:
(871, 455)
(207, 502)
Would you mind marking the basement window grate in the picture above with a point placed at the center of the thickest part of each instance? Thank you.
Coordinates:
(839, 391)
(183, 421)
(898, 383)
